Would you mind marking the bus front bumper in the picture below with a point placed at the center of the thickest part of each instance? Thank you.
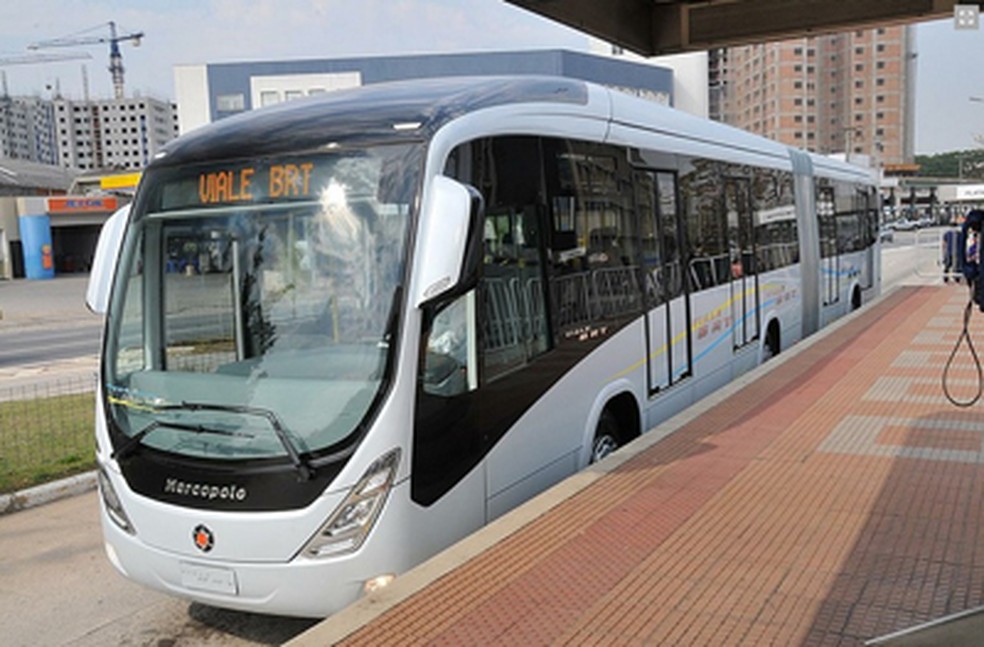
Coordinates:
(301, 587)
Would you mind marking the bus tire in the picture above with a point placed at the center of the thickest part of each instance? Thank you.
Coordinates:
(606, 439)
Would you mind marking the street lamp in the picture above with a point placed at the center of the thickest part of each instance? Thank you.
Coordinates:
(977, 138)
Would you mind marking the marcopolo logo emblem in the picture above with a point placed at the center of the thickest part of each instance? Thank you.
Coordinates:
(228, 492)
(203, 538)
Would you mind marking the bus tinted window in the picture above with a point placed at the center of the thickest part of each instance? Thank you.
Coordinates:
(700, 183)
(594, 236)
(514, 325)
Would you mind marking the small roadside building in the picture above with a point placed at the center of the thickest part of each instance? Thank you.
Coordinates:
(50, 217)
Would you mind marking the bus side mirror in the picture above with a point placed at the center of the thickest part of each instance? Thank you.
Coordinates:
(449, 253)
(104, 263)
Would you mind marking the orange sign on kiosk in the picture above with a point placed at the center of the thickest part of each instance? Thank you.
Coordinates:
(82, 204)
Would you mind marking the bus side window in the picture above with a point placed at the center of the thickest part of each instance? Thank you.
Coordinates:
(449, 366)
(512, 297)
(595, 243)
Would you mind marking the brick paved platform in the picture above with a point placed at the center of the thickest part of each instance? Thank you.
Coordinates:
(836, 497)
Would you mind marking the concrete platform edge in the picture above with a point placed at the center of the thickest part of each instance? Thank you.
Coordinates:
(343, 624)
(48, 492)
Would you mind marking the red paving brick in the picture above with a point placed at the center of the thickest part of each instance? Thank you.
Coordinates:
(835, 499)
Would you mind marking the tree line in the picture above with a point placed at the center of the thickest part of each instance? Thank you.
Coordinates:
(955, 164)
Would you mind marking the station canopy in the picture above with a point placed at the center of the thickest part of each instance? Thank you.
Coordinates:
(657, 27)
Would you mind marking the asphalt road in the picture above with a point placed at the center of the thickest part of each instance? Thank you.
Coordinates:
(23, 346)
(58, 588)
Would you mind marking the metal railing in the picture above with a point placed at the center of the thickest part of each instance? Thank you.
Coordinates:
(936, 257)
(46, 430)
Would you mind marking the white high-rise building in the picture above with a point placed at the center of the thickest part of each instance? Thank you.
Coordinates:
(27, 130)
(112, 133)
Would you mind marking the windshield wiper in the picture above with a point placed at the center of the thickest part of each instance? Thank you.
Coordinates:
(135, 439)
(304, 468)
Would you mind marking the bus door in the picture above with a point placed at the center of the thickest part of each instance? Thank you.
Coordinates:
(745, 314)
(829, 254)
(865, 207)
(669, 355)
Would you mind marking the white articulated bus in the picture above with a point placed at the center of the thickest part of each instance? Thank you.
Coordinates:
(343, 333)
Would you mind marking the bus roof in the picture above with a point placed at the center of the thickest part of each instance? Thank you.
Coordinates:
(378, 113)
(414, 109)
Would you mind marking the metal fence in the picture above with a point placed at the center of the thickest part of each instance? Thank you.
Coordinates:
(46, 430)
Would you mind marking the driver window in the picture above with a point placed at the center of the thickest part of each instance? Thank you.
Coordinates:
(450, 364)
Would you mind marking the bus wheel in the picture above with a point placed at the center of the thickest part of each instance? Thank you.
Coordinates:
(606, 436)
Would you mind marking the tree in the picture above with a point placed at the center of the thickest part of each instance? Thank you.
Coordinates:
(968, 164)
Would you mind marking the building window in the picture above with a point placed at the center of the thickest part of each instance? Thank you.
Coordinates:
(881, 65)
(290, 95)
(230, 102)
(859, 67)
(269, 98)
(880, 82)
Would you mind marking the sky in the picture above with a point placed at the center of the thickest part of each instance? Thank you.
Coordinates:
(950, 63)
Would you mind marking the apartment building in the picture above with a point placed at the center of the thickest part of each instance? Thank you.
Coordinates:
(27, 130)
(840, 93)
(112, 133)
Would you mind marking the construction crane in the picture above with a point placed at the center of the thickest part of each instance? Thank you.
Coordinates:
(28, 59)
(114, 39)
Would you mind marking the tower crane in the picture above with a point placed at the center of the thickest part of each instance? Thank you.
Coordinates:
(85, 38)
(28, 59)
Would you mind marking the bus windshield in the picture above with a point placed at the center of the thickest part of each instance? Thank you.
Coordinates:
(255, 302)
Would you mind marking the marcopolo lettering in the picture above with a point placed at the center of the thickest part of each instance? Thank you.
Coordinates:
(205, 490)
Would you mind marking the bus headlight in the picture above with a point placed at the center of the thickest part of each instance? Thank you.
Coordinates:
(113, 506)
(350, 523)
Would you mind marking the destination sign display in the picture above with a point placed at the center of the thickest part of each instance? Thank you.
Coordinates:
(243, 185)
(237, 183)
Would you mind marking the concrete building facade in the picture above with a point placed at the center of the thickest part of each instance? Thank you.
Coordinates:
(841, 93)
(27, 130)
(112, 133)
(207, 93)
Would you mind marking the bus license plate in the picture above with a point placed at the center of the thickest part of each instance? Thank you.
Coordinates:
(208, 578)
